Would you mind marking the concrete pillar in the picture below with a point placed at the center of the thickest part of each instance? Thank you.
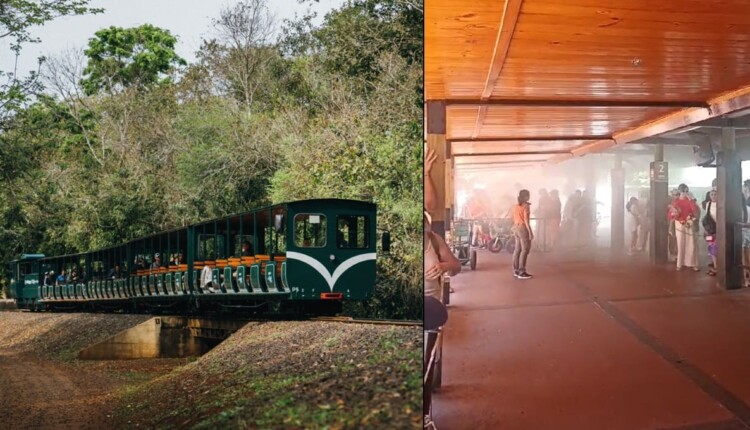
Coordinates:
(729, 213)
(617, 234)
(435, 112)
(658, 203)
(450, 191)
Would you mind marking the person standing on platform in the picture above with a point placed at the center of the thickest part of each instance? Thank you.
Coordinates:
(633, 208)
(554, 218)
(523, 234)
(541, 214)
(709, 226)
(684, 211)
(569, 225)
(586, 216)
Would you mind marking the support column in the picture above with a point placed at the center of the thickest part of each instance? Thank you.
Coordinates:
(617, 233)
(450, 196)
(729, 213)
(591, 237)
(435, 111)
(658, 202)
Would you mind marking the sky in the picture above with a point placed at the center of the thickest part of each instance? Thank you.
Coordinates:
(189, 20)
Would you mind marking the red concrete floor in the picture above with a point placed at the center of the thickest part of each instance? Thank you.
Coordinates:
(605, 344)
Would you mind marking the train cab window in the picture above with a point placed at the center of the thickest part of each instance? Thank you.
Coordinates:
(310, 230)
(352, 231)
(23, 269)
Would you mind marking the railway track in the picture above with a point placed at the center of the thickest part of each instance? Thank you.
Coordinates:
(350, 320)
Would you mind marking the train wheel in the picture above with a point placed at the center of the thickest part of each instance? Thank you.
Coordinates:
(473, 260)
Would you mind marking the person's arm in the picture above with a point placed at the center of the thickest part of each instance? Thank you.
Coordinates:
(448, 262)
(527, 221)
(430, 197)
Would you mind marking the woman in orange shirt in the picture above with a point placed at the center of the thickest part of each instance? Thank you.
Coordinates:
(523, 234)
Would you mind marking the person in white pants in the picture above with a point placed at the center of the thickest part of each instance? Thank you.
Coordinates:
(684, 211)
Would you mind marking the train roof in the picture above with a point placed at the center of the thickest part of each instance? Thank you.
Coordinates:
(361, 203)
(28, 257)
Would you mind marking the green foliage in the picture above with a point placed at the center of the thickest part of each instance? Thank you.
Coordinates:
(124, 57)
(16, 17)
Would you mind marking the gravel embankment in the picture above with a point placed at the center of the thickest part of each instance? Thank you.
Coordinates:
(59, 336)
(290, 375)
(50, 388)
(272, 375)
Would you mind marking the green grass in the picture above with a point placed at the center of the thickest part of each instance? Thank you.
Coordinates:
(219, 397)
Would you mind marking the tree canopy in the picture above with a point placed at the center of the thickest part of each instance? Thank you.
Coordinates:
(16, 17)
(123, 57)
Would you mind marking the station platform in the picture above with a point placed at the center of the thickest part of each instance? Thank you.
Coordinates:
(593, 342)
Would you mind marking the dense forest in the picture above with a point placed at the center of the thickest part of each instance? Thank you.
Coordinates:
(123, 137)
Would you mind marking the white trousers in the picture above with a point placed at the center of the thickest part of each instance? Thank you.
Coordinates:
(687, 246)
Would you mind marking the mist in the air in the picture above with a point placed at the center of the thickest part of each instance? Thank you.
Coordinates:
(584, 187)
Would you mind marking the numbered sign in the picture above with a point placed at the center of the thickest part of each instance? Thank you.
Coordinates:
(659, 171)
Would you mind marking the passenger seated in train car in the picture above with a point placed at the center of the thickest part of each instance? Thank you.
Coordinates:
(50, 279)
(207, 282)
(180, 258)
(73, 276)
(157, 261)
(61, 278)
(115, 272)
(139, 263)
(247, 249)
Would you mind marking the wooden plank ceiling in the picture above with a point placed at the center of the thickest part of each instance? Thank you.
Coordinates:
(534, 80)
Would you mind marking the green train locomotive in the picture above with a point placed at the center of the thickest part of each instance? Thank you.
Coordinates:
(302, 257)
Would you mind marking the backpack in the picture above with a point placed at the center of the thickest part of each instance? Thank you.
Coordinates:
(709, 224)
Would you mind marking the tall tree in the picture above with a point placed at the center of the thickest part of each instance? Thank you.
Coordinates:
(244, 49)
(129, 57)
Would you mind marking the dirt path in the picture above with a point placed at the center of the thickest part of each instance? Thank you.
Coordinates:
(37, 393)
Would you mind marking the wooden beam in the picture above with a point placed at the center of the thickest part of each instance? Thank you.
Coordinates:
(559, 158)
(513, 154)
(562, 103)
(511, 11)
(664, 141)
(662, 125)
(730, 102)
(480, 121)
(588, 148)
(532, 138)
(483, 163)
